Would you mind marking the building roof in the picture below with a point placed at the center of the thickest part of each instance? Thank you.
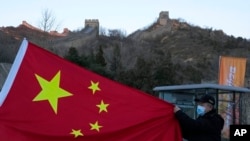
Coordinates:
(193, 88)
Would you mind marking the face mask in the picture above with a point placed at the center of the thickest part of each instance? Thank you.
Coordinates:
(200, 110)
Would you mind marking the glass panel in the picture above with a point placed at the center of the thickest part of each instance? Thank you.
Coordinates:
(167, 97)
(189, 110)
(184, 101)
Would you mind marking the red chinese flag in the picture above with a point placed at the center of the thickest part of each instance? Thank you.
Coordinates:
(46, 98)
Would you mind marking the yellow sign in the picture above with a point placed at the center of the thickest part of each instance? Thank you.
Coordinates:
(231, 73)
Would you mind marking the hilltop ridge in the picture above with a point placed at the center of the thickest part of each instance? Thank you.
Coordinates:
(169, 51)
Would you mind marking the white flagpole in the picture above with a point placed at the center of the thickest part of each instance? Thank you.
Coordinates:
(13, 71)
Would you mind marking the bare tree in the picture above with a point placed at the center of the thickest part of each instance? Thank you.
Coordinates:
(103, 31)
(47, 21)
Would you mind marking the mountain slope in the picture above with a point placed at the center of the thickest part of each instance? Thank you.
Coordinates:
(174, 53)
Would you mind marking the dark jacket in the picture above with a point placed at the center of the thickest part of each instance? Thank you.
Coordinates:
(205, 128)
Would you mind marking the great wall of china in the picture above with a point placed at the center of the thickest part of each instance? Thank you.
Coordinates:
(163, 20)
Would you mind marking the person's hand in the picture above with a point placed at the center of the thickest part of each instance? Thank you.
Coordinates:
(176, 108)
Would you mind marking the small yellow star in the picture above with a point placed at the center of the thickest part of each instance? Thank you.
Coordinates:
(102, 107)
(95, 126)
(94, 87)
(76, 133)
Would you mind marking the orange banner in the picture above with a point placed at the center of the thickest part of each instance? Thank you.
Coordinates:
(231, 73)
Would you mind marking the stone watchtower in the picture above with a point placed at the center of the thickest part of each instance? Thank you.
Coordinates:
(163, 18)
(94, 23)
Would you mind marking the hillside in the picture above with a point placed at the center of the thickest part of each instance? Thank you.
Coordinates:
(4, 69)
(168, 52)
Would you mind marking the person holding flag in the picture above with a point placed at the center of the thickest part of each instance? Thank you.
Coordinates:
(208, 125)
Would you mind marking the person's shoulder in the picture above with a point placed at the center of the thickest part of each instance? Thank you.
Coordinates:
(219, 117)
(214, 114)
(219, 121)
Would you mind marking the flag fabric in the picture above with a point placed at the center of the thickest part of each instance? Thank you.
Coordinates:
(231, 73)
(46, 98)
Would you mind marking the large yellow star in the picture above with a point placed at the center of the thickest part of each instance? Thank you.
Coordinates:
(95, 126)
(94, 87)
(51, 91)
(76, 133)
(102, 107)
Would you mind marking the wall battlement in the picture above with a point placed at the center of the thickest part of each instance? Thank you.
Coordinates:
(163, 18)
(92, 23)
(55, 33)
(31, 26)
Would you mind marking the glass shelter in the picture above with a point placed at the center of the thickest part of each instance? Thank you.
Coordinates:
(184, 95)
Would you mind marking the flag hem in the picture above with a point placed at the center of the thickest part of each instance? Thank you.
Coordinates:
(13, 71)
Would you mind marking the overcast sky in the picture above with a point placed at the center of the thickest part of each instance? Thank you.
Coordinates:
(231, 16)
